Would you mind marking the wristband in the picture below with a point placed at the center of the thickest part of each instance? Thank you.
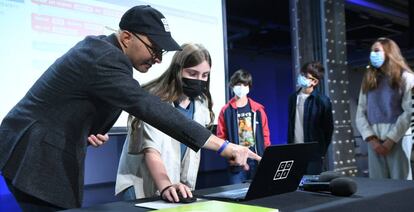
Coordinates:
(163, 190)
(223, 146)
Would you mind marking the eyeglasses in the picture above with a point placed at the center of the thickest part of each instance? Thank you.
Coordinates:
(155, 52)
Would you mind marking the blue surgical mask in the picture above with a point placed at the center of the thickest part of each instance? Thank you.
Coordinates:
(377, 58)
(303, 81)
(241, 90)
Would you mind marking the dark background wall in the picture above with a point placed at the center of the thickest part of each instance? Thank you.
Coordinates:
(272, 84)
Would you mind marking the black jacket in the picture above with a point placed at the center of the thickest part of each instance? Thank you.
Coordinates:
(317, 120)
(43, 139)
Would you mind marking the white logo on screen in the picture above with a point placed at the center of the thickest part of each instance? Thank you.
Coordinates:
(283, 170)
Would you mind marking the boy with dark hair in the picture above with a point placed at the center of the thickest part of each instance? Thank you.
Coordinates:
(244, 122)
(310, 115)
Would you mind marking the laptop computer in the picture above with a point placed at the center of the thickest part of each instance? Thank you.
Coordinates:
(280, 171)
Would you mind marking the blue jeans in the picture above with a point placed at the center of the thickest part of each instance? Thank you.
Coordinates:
(129, 194)
(238, 175)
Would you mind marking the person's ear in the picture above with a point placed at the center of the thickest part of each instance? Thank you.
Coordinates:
(125, 38)
(315, 82)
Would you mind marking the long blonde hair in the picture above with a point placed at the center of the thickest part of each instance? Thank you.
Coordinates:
(169, 85)
(393, 66)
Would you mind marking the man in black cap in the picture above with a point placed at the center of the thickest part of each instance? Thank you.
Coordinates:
(43, 139)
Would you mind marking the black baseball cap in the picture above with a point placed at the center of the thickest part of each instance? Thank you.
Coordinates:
(150, 22)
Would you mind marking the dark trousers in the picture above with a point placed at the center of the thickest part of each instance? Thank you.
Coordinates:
(28, 202)
(315, 167)
(238, 175)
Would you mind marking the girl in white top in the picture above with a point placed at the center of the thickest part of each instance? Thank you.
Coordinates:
(384, 110)
(152, 162)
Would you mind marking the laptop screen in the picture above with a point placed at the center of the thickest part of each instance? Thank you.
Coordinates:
(281, 169)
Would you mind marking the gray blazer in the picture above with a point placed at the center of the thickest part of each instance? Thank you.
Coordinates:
(43, 139)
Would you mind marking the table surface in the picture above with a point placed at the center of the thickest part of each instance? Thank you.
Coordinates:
(372, 195)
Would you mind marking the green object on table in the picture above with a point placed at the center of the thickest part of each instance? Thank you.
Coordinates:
(218, 206)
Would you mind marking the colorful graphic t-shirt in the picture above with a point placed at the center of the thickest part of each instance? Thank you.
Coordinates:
(245, 122)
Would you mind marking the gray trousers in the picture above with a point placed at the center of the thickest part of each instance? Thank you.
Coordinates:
(395, 165)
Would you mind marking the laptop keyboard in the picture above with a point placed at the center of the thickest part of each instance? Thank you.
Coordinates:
(232, 194)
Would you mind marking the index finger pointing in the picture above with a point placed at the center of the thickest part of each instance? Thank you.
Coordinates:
(254, 156)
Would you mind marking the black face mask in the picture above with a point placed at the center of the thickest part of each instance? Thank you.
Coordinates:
(193, 87)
